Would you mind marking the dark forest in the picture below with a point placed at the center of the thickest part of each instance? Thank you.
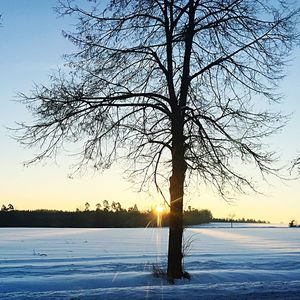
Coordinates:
(104, 216)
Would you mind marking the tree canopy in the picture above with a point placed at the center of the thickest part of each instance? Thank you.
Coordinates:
(133, 63)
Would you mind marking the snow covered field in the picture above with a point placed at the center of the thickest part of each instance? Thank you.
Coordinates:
(244, 262)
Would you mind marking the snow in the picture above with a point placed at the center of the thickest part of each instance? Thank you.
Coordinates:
(243, 262)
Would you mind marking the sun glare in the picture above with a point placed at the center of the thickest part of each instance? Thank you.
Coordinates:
(159, 209)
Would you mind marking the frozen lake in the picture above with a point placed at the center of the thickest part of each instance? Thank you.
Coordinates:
(243, 262)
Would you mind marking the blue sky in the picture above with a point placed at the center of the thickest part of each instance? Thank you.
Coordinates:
(31, 48)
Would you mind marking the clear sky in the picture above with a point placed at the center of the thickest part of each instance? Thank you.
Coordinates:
(31, 46)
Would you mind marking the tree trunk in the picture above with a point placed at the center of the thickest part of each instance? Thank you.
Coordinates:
(175, 256)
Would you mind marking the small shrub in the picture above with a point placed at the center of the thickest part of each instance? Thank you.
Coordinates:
(158, 272)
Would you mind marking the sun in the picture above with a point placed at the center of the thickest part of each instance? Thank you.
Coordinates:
(159, 209)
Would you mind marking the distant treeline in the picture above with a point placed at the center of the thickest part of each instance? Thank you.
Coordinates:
(104, 216)
(240, 220)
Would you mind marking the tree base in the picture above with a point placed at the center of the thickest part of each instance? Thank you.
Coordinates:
(158, 272)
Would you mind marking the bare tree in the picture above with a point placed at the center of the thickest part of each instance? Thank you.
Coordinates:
(177, 87)
(3, 208)
(116, 206)
(231, 219)
(98, 206)
(87, 206)
(10, 207)
(106, 205)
